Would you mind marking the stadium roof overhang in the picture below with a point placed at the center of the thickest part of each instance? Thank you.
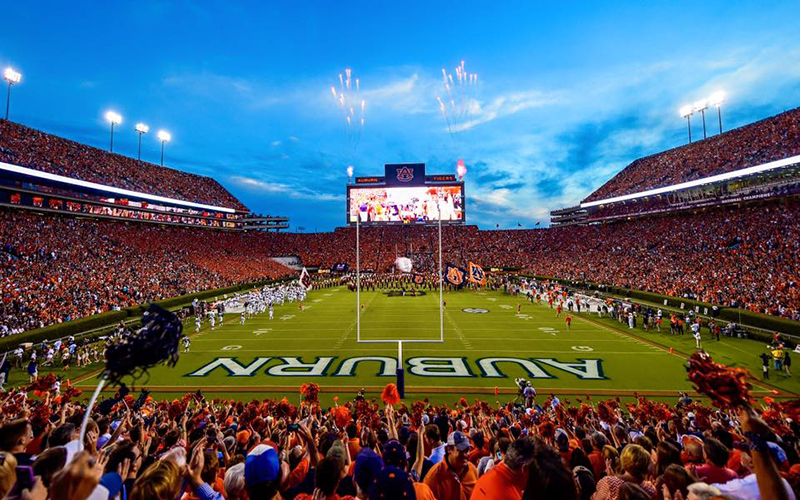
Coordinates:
(792, 160)
(29, 172)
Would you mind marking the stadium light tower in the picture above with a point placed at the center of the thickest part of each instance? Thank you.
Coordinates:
(686, 112)
(141, 129)
(12, 77)
(164, 137)
(114, 119)
(716, 99)
(701, 107)
(349, 174)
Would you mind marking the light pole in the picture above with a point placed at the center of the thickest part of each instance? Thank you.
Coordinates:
(114, 119)
(164, 137)
(349, 174)
(686, 112)
(141, 129)
(717, 99)
(12, 77)
(702, 106)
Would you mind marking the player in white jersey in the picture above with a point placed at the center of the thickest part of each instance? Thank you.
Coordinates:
(197, 323)
(696, 334)
(243, 316)
(271, 312)
(186, 343)
(212, 319)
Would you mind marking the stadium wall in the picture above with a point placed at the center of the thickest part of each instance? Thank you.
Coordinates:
(109, 319)
(730, 314)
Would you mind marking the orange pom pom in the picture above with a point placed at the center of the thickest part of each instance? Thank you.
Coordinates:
(390, 395)
(342, 416)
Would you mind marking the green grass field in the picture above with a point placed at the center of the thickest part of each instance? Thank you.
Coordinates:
(481, 351)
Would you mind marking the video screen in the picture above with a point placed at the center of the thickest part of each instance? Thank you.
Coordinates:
(409, 205)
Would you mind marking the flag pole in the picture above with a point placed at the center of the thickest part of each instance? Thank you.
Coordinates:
(441, 276)
(358, 279)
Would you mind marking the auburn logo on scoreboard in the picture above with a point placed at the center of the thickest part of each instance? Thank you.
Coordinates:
(405, 174)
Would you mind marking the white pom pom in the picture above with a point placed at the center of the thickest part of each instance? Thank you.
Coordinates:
(403, 264)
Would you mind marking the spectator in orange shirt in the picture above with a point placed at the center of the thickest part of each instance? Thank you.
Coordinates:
(353, 442)
(508, 479)
(596, 457)
(479, 451)
(454, 477)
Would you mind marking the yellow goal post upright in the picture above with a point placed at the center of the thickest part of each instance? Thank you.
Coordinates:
(400, 370)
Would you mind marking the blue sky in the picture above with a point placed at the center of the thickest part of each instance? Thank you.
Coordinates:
(567, 94)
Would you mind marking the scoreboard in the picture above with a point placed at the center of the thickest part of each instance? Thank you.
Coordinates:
(406, 195)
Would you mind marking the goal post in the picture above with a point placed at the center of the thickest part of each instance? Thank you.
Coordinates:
(400, 374)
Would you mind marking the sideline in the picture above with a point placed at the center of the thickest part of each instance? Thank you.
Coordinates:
(755, 381)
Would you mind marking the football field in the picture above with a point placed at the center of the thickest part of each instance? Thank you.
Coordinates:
(487, 343)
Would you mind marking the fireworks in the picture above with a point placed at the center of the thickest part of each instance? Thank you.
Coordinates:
(353, 107)
(459, 98)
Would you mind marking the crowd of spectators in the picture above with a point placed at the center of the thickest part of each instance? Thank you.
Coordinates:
(772, 139)
(27, 147)
(56, 269)
(735, 257)
(196, 448)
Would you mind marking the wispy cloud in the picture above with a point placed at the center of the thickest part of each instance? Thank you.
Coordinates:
(290, 190)
(251, 93)
(506, 104)
(529, 149)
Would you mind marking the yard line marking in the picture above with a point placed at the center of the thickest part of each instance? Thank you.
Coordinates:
(423, 349)
(458, 331)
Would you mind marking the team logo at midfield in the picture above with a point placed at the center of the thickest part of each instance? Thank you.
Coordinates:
(405, 174)
(475, 310)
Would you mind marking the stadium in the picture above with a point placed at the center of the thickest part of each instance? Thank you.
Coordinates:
(162, 339)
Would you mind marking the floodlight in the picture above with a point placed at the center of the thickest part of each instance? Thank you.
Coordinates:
(164, 137)
(113, 117)
(717, 98)
(141, 129)
(350, 171)
(700, 105)
(686, 112)
(12, 76)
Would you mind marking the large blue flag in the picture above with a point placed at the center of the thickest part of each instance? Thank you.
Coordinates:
(455, 275)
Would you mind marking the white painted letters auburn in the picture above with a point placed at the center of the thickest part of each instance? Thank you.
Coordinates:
(382, 366)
